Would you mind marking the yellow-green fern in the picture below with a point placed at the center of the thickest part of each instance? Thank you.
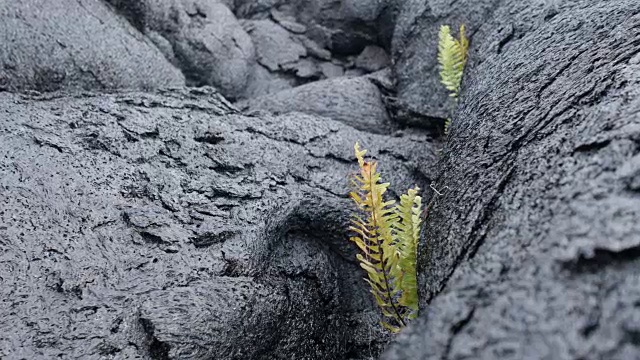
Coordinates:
(387, 237)
(452, 57)
(408, 233)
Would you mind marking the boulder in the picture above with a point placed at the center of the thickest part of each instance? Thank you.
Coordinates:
(356, 102)
(372, 58)
(282, 61)
(274, 46)
(202, 37)
(262, 82)
(344, 27)
(66, 44)
(168, 226)
(331, 70)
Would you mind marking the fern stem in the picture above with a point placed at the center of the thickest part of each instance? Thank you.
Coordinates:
(393, 305)
(382, 260)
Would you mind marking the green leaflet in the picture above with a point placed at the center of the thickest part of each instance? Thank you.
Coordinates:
(387, 236)
(408, 233)
(452, 57)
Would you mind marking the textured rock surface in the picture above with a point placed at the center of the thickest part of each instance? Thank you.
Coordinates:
(262, 82)
(287, 57)
(202, 37)
(117, 44)
(274, 45)
(66, 44)
(169, 226)
(372, 58)
(332, 35)
(534, 250)
(354, 101)
(344, 27)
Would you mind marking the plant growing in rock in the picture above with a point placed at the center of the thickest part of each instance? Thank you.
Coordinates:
(387, 236)
(452, 57)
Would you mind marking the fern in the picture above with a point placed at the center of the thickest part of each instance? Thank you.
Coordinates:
(387, 238)
(452, 57)
(447, 124)
(408, 232)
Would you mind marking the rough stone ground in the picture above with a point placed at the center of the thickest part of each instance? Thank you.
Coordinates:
(169, 226)
(166, 224)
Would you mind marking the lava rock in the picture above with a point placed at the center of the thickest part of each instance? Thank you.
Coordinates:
(304, 69)
(367, 10)
(314, 49)
(274, 46)
(53, 45)
(533, 251)
(356, 102)
(344, 27)
(263, 82)
(202, 37)
(330, 70)
(372, 58)
(282, 61)
(415, 51)
(167, 225)
(287, 22)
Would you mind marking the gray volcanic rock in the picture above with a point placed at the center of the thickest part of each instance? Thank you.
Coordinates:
(304, 69)
(262, 82)
(330, 70)
(344, 27)
(282, 62)
(314, 49)
(365, 10)
(274, 46)
(168, 226)
(255, 8)
(372, 58)
(353, 101)
(288, 22)
(65, 44)
(534, 250)
(202, 38)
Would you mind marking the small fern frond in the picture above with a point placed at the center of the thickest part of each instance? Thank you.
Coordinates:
(452, 56)
(450, 60)
(387, 237)
(375, 236)
(408, 232)
(391, 328)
